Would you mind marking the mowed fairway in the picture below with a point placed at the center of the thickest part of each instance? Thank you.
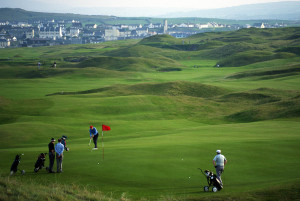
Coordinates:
(164, 126)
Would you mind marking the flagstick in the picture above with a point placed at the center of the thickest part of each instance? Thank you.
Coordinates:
(102, 147)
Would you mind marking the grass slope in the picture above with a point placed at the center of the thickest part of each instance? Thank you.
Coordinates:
(176, 88)
(131, 63)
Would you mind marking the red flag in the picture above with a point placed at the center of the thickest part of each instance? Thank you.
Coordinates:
(105, 128)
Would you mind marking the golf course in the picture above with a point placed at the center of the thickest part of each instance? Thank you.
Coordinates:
(170, 104)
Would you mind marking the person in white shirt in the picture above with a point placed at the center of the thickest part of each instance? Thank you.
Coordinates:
(219, 162)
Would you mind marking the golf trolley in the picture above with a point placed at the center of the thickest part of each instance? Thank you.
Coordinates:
(39, 164)
(14, 166)
(212, 181)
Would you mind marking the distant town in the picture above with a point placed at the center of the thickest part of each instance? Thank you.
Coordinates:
(64, 32)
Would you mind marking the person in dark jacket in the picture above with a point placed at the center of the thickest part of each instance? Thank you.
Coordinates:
(51, 155)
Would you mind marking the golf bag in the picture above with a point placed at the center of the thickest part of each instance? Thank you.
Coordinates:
(212, 181)
(14, 166)
(39, 164)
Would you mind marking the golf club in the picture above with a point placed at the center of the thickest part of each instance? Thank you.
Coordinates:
(90, 141)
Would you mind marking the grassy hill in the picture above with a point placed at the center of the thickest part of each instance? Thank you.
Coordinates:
(248, 42)
(17, 14)
(169, 109)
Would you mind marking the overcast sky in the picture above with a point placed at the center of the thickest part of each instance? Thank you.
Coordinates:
(147, 6)
(199, 4)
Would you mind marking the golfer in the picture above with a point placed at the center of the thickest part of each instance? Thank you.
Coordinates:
(219, 162)
(51, 155)
(63, 141)
(59, 149)
(94, 134)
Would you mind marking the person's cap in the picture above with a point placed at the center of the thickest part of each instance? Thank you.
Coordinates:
(64, 137)
(218, 151)
(52, 140)
(91, 126)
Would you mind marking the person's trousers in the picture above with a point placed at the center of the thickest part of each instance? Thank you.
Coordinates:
(95, 138)
(59, 161)
(219, 171)
(51, 161)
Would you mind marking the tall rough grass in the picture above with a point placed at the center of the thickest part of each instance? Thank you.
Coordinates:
(12, 189)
